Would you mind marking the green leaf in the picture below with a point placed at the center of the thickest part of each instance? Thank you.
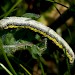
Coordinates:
(35, 52)
(32, 16)
(8, 39)
(37, 37)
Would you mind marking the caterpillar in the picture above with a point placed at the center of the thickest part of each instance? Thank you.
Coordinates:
(22, 22)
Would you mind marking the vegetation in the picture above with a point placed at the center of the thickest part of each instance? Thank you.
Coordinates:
(32, 53)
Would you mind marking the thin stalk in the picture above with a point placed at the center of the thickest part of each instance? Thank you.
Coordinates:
(17, 3)
(58, 3)
(42, 69)
(65, 23)
(6, 59)
(25, 69)
(68, 65)
(5, 69)
(43, 60)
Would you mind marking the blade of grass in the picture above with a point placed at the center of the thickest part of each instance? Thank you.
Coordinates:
(5, 69)
(42, 60)
(42, 69)
(6, 59)
(16, 4)
(25, 69)
(3, 15)
(57, 3)
(68, 65)
(65, 24)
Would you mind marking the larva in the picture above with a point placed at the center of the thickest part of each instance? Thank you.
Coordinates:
(22, 22)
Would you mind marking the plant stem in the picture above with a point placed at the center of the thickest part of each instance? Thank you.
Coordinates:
(6, 59)
(5, 69)
(63, 18)
(42, 68)
(25, 69)
(17, 3)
